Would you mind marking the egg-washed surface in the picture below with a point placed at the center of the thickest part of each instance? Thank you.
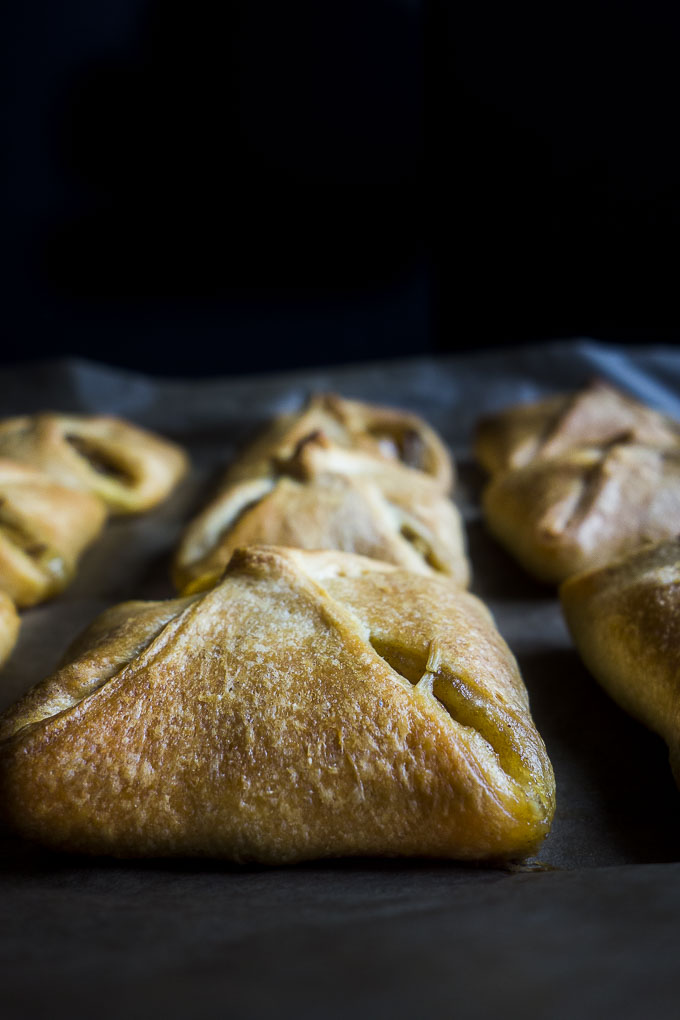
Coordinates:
(128, 467)
(616, 800)
(325, 496)
(9, 627)
(44, 528)
(625, 621)
(597, 415)
(579, 479)
(310, 705)
(411, 936)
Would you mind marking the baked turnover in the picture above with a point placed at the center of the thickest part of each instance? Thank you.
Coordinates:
(310, 705)
(126, 466)
(387, 434)
(586, 507)
(625, 622)
(44, 528)
(327, 497)
(598, 415)
(9, 627)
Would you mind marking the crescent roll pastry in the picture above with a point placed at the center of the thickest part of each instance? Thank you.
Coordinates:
(595, 416)
(625, 622)
(126, 466)
(44, 528)
(309, 705)
(586, 507)
(9, 627)
(327, 497)
(387, 434)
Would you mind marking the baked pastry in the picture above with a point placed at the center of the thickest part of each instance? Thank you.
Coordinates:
(129, 468)
(598, 415)
(625, 622)
(586, 507)
(9, 627)
(385, 433)
(310, 705)
(44, 528)
(327, 497)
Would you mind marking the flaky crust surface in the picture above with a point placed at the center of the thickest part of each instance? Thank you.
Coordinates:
(625, 622)
(129, 468)
(310, 705)
(9, 627)
(327, 497)
(44, 529)
(387, 434)
(580, 510)
(598, 415)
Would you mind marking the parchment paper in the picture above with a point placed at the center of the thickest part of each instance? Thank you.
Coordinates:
(595, 935)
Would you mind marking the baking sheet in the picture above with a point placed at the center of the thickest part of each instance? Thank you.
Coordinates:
(591, 928)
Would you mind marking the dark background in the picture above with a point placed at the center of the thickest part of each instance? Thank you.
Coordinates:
(229, 187)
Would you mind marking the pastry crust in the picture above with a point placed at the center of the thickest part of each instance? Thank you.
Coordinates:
(598, 415)
(9, 627)
(387, 434)
(44, 528)
(127, 467)
(310, 705)
(584, 508)
(328, 497)
(625, 622)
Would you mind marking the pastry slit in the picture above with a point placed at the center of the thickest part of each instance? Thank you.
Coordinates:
(422, 546)
(594, 479)
(459, 696)
(45, 559)
(101, 459)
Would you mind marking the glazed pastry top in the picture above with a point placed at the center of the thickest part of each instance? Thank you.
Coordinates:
(311, 704)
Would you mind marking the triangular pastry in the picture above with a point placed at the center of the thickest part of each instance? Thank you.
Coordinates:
(586, 507)
(44, 528)
(598, 415)
(310, 705)
(625, 622)
(385, 433)
(126, 466)
(9, 627)
(327, 497)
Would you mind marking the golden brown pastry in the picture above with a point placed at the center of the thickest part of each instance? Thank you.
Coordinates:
(625, 622)
(385, 433)
(9, 627)
(129, 468)
(44, 528)
(310, 705)
(328, 497)
(584, 508)
(595, 416)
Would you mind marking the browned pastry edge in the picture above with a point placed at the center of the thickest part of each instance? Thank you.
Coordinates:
(561, 516)
(128, 467)
(312, 704)
(388, 434)
(599, 414)
(625, 622)
(327, 497)
(9, 627)
(44, 529)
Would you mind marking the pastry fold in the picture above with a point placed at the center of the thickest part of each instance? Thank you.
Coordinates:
(625, 622)
(327, 497)
(310, 705)
(44, 528)
(598, 415)
(584, 508)
(387, 434)
(9, 627)
(129, 468)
